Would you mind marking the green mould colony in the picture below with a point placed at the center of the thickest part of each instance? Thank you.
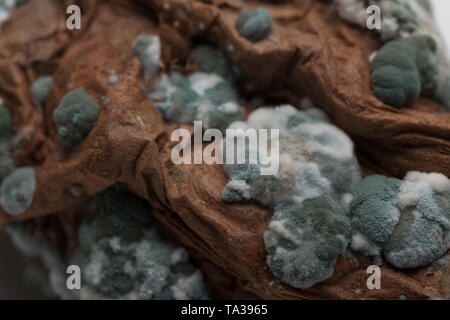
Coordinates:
(321, 206)
(413, 60)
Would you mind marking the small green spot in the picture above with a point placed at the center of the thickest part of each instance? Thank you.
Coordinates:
(17, 191)
(254, 24)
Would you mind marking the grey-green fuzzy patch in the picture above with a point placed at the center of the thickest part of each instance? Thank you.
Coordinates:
(254, 24)
(303, 241)
(5, 123)
(40, 88)
(17, 190)
(75, 117)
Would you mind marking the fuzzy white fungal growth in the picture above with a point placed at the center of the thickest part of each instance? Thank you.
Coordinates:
(361, 244)
(317, 172)
(201, 96)
(316, 159)
(209, 95)
(408, 219)
(124, 257)
(148, 49)
(304, 240)
(113, 79)
(93, 270)
(353, 11)
(17, 190)
(179, 255)
(6, 7)
(416, 183)
(200, 82)
(405, 19)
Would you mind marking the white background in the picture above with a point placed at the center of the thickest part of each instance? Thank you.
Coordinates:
(442, 13)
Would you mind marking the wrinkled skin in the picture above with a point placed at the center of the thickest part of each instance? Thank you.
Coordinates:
(130, 142)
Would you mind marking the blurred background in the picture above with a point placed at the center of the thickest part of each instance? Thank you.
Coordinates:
(442, 12)
(16, 280)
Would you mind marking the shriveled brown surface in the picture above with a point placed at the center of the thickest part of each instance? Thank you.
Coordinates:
(311, 53)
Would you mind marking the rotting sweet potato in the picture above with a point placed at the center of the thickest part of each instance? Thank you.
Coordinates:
(314, 53)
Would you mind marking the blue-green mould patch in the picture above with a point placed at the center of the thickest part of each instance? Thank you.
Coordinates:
(315, 159)
(408, 67)
(77, 190)
(209, 95)
(5, 123)
(310, 193)
(212, 60)
(303, 241)
(113, 79)
(75, 117)
(6, 160)
(120, 253)
(254, 24)
(7, 164)
(123, 256)
(408, 220)
(374, 207)
(40, 88)
(115, 212)
(148, 50)
(403, 69)
(443, 93)
(399, 18)
(442, 262)
(17, 190)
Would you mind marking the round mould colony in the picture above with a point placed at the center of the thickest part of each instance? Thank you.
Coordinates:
(209, 95)
(7, 164)
(303, 241)
(406, 220)
(254, 24)
(40, 89)
(17, 190)
(17, 186)
(310, 193)
(6, 160)
(148, 50)
(315, 158)
(413, 60)
(123, 256)
(403, 69)
(75, 117)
